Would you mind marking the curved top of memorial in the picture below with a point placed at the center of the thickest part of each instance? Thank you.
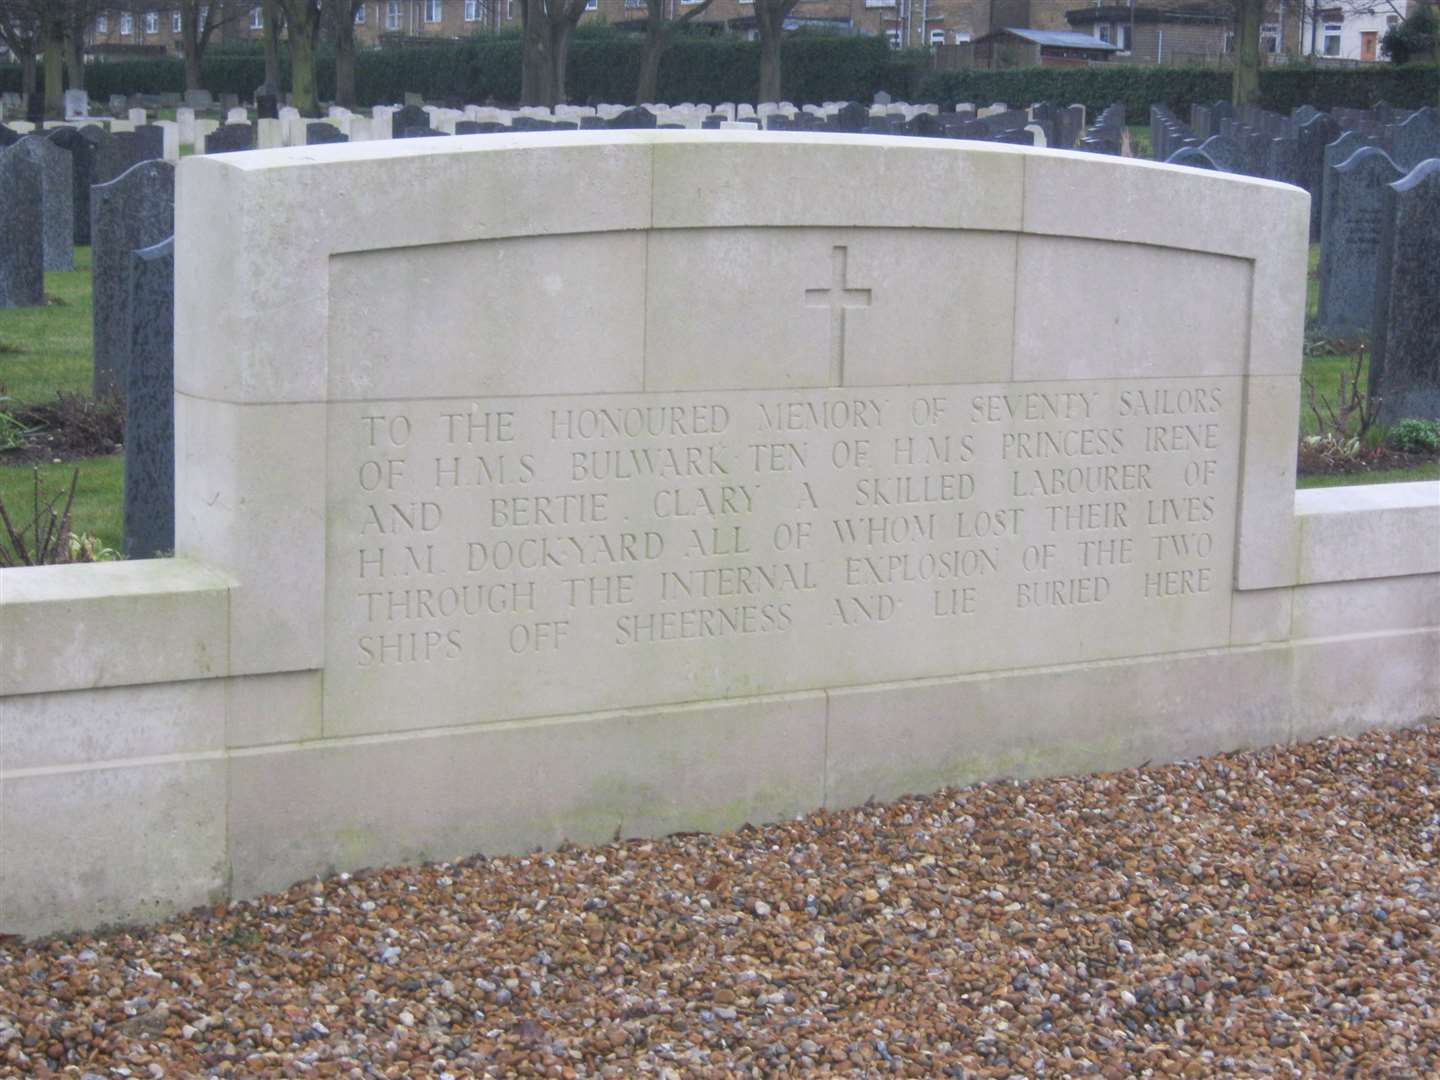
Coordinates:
(261, 229)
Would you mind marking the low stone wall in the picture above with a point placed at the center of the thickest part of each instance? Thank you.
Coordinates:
(140, 779)
(355, 424)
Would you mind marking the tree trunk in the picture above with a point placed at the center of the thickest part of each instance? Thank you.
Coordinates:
(770, 59)
(54, 72)
(27, 78)
(270, 10)
(345, 56)
(190, 42)
(559, 53)
(655, 42)
(302, 71)
(75, 58)
(536, 67)
(1245, 89)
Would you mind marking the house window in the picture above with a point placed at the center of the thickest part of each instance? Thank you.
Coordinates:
(1122, 36)
(635, 4)
(127, 25)
(1332, 39)
(879, 3)
(175, 22)
(594, 5)
(392, 15)
(962, 37)
(472, 10)
(257, 19)
(360, 15)
(432, 11)
(893, 35)
(1270, 38)
(937, 37)
(102, 24)
(152, 22)
(1102, 31)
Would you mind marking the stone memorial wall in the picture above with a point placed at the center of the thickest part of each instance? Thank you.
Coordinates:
(719, 511)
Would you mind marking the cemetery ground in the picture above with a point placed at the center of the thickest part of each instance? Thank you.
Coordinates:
(46, 352)
(1264, 913)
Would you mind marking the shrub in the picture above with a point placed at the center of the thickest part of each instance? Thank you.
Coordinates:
(1416, 436)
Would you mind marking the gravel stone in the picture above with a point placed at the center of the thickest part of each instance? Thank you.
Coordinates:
(1262, 914)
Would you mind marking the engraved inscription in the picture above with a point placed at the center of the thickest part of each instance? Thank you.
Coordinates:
(550, 555)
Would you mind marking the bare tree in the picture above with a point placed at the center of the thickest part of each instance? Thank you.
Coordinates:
(546, 29)
(20, 33)
(659, 32)
(200, 20)
(770, 16)
(271, 16)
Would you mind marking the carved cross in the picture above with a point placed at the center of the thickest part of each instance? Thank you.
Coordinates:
(838, 298)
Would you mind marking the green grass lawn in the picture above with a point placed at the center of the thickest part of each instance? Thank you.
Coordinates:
(99, 496)
(47, 349)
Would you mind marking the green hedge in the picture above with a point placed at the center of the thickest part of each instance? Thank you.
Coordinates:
(1281, 89)
(605, 66)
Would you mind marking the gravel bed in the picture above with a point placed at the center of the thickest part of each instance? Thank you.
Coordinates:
(1255, 914)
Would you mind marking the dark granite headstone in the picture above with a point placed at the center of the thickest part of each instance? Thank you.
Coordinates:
(151, 141)
(22, 252)
(1282, 161)
(1314, 134)
(420, 133)
(635, 117)
(852, 117)
(1018, 137)
(925, 124)
(318, 132)
(408, 118)
(595, 123)
(1195, 157)
(135, 210)
(57, 200)
(82, 171)
(1416, 139)
(118, 153)
(473, 127)
(229, 138)
(1405, 361)
(529, 123)
(1225, 154)
(9, 136)
(229, 101)
(710, 123)
(1350, 240)
(149, 529)
(267, 106)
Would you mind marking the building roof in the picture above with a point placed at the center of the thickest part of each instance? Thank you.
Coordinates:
(1119, 14)
(1065, 39)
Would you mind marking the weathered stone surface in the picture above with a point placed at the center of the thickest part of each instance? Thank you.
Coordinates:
(1350, 240)
(135, 210)
(1314, 134)
(149, 529)
(57, 210)
(22, 236)
(1405, 362)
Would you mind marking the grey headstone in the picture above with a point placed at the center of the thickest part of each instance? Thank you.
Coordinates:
(82, 172)
(319, 132)
(119, 103)
(631, 118)
(22, 239)
(1224, 153)
(57, 200)
(229, 101)
(1195, 157)
(149, 528)
(135, 210)
(880, 98)
(229, 138)
(117, 153)
(151, 140)
(1416, 139)
(414, 99)
(1350, 240)
(1315, 133)
(411, 116)
(77, 104)
(199, 99)
(1405, 361)
(1282, 162)
(852, 117)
